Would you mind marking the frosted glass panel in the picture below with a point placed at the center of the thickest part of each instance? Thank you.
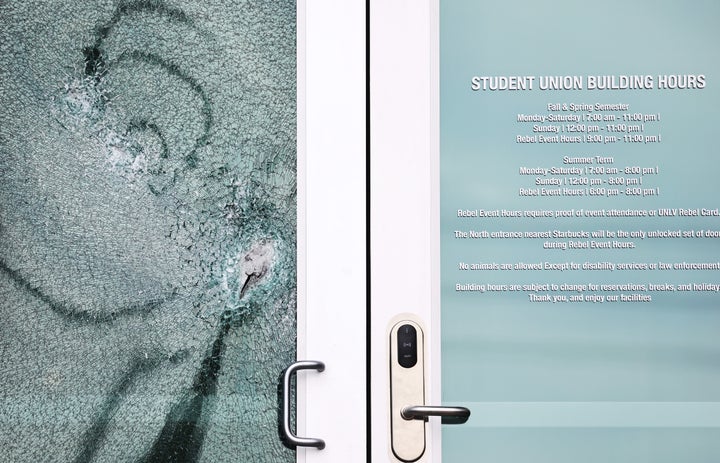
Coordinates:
(579, 230)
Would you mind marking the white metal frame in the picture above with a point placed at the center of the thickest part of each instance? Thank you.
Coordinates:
(332, 228)
(404, 236)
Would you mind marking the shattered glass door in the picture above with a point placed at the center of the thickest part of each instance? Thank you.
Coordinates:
(147, 229)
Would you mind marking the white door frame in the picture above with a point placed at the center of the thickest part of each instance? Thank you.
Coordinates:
(403, 207)
(332, 229)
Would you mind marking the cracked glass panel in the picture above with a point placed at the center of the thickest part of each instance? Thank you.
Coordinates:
(147, 229)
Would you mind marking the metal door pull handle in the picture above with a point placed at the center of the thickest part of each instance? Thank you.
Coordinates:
(450, 415)
(287, 435)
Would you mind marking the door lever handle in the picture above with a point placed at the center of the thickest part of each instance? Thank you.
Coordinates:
(450, 415)
(286, 434)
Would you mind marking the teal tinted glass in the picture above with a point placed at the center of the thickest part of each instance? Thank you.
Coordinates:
(147, 229)
(579, 230)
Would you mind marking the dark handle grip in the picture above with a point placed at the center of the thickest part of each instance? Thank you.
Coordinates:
(450, 415)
